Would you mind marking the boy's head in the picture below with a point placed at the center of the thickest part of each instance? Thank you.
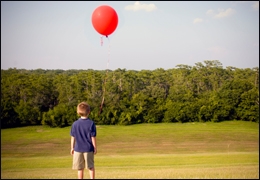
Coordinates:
(83, 109)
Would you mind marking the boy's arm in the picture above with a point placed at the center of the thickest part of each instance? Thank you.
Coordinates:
(72, 144)
(94, 144)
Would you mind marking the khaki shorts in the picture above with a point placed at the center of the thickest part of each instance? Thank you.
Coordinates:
(83, 160)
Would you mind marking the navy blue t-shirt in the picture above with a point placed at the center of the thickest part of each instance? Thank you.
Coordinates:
(82, 130)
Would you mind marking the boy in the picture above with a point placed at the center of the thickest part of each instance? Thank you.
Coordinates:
(83, 142)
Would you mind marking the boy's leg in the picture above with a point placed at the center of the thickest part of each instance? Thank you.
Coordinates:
(79, 163)
(92, 173)
(89, 160)
(80, 174)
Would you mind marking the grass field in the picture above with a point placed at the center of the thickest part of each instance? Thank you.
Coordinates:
(226, 150)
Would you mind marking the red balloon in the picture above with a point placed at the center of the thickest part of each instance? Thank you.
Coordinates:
(104, 20)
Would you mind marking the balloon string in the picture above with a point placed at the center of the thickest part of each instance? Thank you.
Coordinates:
(104, 91)
(101, 40)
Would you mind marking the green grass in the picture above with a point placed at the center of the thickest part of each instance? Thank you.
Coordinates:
(190, 150)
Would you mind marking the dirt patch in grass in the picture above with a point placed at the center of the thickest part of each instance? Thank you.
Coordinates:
(164, 147)
(39, 149)
(137, 139)
(176, 147)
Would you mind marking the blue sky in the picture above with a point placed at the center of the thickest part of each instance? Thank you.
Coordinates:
(149, 35)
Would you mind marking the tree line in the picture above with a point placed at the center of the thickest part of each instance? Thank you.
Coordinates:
(200, 93)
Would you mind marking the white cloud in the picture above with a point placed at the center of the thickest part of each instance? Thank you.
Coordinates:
(221, 13)
(197, 20)
(255, 5)
(138, 6)
(210, 12)
(224, 13)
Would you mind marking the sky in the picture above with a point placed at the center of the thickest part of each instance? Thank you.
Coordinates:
(149, 35)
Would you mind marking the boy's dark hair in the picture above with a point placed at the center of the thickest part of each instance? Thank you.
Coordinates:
(83, 109)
